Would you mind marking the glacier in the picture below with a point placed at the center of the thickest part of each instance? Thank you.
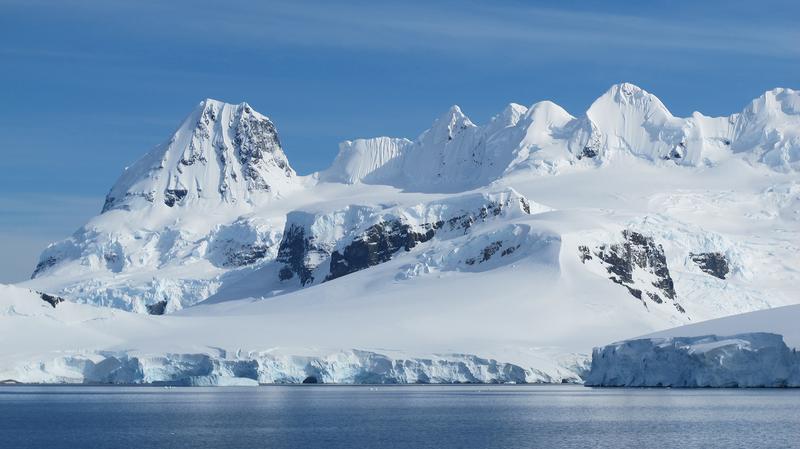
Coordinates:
(342, 367)
(76, 343)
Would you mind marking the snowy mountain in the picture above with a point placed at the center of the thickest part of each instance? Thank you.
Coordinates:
(455, 154)
(221, 153)
(526, 240)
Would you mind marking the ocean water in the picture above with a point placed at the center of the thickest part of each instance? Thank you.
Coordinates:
(395, 416)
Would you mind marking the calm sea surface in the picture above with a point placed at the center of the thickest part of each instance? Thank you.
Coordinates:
(395, 416)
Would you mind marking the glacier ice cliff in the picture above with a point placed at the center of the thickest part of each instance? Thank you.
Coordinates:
(342, 367)
(757, 359)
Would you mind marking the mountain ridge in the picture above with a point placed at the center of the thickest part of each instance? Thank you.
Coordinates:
(213, 204)
(624, 121)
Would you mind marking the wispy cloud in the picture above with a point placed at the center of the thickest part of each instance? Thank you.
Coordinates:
(459, 29)
(489, 24)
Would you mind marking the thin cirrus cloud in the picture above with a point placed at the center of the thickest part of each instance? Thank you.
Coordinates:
(402, 28)
(440, 28)
(455, 29)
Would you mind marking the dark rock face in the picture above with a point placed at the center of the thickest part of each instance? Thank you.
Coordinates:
(173, 196)
(113, 203)
(488, 252)
(526, 206)
(678, 152)
(44, 265)
(377, 245)
(244, 255)
(108, 203)
(311, 380)
(50, 299)
(256, 143)
(714, 264)
(584, 252)
(294, 247)
(157, 308)
(593, 146)
(466, 220)
(587, 152)
(636, 252)
(508, 251)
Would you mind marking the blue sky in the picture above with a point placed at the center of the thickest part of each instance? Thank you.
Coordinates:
(89, 86)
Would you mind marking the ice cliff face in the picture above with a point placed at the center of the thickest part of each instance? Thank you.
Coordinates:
(222, 153)
(743, 360)
(344, 367)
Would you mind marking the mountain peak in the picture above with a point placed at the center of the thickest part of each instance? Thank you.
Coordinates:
(454, 117)
(629, 93)
(629, 97)
(447, 126)
(221, 152)
(626, 88)
(769, 129)
(510, 115)
(780, 101)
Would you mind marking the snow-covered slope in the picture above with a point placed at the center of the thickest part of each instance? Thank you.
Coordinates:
(780, 320)
(529, 239)
(77, 343)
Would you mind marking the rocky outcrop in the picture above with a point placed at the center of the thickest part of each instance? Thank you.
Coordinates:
(376, 235)
(174, 196)
(715, 264)
(489, 251)
(294, 252)
(45, 263)
(50, 299)
(377, 245)
(244, 255)
(258, 147)
(157, 308)
(483, 251)
(247, 241)
(636, 254)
